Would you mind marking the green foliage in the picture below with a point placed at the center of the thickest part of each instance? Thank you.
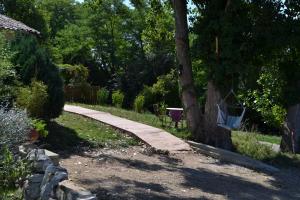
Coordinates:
(254, 55)
(41, 127)
(73, 74)
(158, 35)
(72, 44)
(149, 97)
(34, 99)
(267, 99)
(166, 89)
(8, 77)
(117, 98)
(139, 103)
(103, 96)
(34, 63)
(57, 14)
(13, 171)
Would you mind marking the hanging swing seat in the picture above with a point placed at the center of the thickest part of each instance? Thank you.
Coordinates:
(227, 120)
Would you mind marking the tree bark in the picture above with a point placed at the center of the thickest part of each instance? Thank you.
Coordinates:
(215, 135)
(189, 99)
(291, 133)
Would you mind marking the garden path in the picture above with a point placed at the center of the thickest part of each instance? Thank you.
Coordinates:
(157, 138)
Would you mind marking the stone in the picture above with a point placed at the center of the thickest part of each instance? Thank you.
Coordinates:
(39, 159)
(53, 156)
(67, 190)
(32, 187)
(46, 184)
(24, 149)
(53, 175)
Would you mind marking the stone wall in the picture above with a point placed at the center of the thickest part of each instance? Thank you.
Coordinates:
(49, 181)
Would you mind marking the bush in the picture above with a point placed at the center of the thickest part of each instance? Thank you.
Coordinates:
(8, 78)
(41, 127)
(102, 96)
(34, 62)
(14, 126)
(139, 103)
(117, 98)
(166, 89)
(13, 172)
(34, 99)
(150, 97)
(73, 74)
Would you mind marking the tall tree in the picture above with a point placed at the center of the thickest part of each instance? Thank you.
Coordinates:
(189, 99)
(203, 128)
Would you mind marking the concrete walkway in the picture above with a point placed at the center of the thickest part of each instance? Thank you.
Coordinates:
(156, 138)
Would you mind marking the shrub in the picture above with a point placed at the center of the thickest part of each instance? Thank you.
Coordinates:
(167, 89)
(34, 99)
(8, 78)
(35, 62)
(149, 96)
(139, 103)
(13, 172)
(14, 126)
(41, 127)
(117, 98)
(73, 74)
(102, 96)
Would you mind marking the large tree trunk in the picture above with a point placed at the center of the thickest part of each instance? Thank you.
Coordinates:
(189, 99)
(215, 135)
(291, 133)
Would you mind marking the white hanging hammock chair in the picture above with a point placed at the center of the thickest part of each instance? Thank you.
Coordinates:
(227, 120)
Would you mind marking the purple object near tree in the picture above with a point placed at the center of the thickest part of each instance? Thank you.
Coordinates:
(175, 115)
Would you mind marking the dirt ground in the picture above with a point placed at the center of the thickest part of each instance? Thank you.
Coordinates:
(136, 173)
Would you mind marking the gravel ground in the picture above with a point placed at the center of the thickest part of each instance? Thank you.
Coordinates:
(138, 173)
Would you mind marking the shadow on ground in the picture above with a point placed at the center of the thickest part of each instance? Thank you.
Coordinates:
(206, 183)
(64, 141)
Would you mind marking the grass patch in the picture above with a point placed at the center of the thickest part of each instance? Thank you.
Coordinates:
(71, 130)
(145, 118)
(268, 138)
(248, 144)
(260, 137)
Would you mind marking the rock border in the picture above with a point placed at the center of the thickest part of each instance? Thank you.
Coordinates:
(49, 181)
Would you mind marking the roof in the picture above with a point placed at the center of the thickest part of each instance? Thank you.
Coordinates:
(8, 23)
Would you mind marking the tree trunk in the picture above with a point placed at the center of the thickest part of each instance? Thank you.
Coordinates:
(291, 133)
(215, 135)
(189, 99)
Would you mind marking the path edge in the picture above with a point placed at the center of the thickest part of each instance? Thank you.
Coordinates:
(231, 157)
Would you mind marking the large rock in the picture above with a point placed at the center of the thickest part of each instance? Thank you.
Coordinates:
(39, 160)
(53, 175)
(53, 156)
(67, 190)
(32, 187)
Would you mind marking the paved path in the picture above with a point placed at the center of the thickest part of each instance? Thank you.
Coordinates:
(156, 138)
